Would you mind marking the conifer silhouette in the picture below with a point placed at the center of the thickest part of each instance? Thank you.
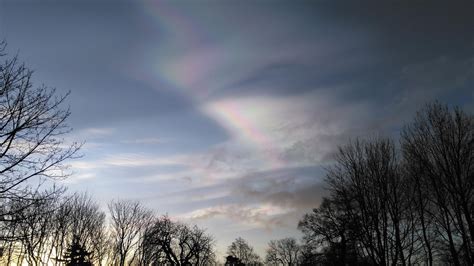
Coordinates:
(76, 254)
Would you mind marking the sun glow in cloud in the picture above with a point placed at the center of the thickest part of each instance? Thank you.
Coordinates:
(277, 127)
(248, 122)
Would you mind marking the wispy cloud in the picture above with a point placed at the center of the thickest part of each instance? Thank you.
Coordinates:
(77, 178)
(96, 132)
(144, 141)
(286, 195)
(125, 160)
(136, 160)
(261, 216)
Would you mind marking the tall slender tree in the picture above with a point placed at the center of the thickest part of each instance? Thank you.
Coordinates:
(128, 220)
(439, 146)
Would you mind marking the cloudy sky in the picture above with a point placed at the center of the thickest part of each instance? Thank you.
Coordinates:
(224, 113)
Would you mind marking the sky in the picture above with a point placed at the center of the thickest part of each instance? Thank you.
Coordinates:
(226, 113)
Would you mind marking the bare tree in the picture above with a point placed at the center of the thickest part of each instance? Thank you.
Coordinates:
(284, 251)
(439, 149)
(32, 126)
(330, 233)
(128, 221)
(32, 150)
(368, 179)
(241, 249)
(168, 242)
(78, 218)
(400, 207)
(34, 227)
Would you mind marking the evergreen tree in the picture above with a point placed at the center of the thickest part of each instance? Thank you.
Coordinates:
(76, 254)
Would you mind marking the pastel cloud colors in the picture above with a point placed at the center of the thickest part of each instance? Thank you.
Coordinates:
(225, 114)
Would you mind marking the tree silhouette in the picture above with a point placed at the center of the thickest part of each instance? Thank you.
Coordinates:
(332, 230)
(129, 219)
(76, 254)
(79, 216)
(406, 205)
(32, 127)
(284, 251)
(233, 261)
(439, 149)
(175, 243)
(241, 249)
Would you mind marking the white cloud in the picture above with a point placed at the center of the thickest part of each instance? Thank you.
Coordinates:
(287, 130)
(257, 216)
(144, 141)
(76, 178)
(136, 160)
(97, 132)
(125, 160)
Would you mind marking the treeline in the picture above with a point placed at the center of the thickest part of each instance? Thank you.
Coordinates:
(59, 229)
(55, 228)
(50, 230)
(404, 202)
